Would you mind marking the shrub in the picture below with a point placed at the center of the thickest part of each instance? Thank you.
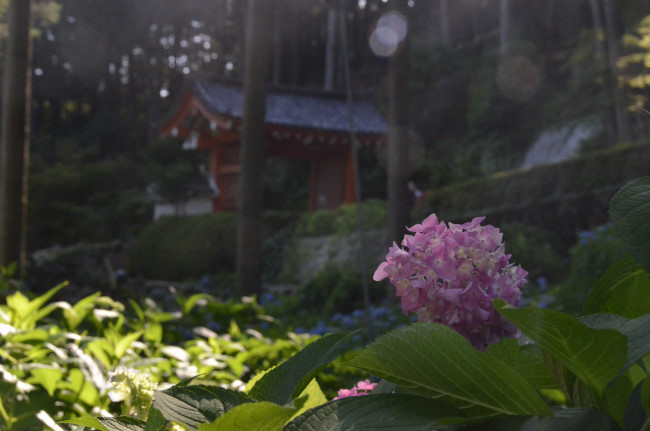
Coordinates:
(334, 290)
(575, 192)
(540, 252)
(594, 252)
(343, 220)
(178, 248)
(93, 201)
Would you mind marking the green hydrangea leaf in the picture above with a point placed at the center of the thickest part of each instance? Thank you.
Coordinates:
(636, 417)
(565, 419)
(259, 416)
(636, 330)
(629, 211)
(382, 411)
(596, 356)
(313, 396)
(197, 404)
(289, 379)
(618, 290)
(46, 377)
(434, 360)
(86, 421)
(155, 420)
(529, 365)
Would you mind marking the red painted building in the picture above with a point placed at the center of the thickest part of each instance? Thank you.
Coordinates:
(310, 126)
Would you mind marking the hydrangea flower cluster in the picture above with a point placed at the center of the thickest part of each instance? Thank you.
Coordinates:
(135, 388)
(449, 274)
(363, 387)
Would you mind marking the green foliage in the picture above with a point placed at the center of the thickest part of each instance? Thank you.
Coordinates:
(618, 288)
(635, 64)
(57, 356)
(333, 290)
(540, 253)
(86, 200)
(433, 377)
(629, 213)
(343, 220)
(595, 251)
(173, 170)
(177, 248)
(573, 192)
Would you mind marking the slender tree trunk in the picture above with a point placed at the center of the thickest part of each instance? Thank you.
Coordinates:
(398, 144)
(278, 25)
(249, 223)
(597, 19)
(330, 58)
(14, 140)
(601, 63)
(504, 25)
(445, 28)
(613, 34)
(294, 50)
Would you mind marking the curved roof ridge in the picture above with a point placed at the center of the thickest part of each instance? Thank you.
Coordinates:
(292, 107)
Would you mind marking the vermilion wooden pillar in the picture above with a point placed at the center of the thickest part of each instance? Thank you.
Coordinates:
(350, 193)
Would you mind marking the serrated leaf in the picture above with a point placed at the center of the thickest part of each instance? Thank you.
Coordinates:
(288, 379)
(629, 211)
(122, 423)
(434, 360)
(372, 412)
(258, 416)
(594, 355)
(197, 404)
(86, 421)
(531, 367)
(636, 330)
(155, 420)
(618, 290)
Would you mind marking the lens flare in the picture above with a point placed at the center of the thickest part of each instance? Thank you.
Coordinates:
(388, 34)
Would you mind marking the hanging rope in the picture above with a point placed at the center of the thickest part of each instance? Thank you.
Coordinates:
(357, 181)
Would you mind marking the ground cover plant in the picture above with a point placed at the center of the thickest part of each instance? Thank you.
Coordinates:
(98, 356)
(474, 361)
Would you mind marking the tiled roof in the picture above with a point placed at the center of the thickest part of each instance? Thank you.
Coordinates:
(295, 109)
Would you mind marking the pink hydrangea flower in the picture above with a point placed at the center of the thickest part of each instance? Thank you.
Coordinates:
(363, 387)
(449, 274)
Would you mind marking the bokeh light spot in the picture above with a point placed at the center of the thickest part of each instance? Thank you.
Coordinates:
(388, 34)
(518, 79)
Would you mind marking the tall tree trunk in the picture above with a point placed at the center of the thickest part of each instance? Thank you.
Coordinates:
(249, 223)
(504, 25)
(278, 14)
(597, 19)
(14, 140)
(601, 63)
(445, 28)
(330, 58)
(398, 142)
(613, 34)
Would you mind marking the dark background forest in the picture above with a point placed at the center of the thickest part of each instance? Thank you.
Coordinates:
(481, 86)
